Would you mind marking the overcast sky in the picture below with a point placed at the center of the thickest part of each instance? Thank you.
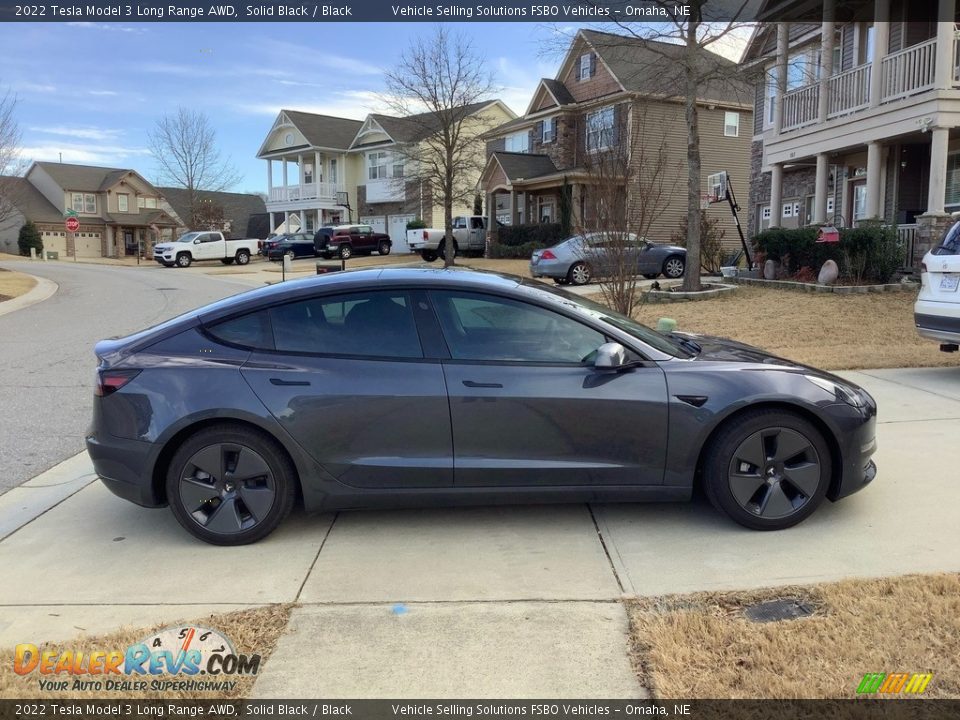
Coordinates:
(92, 91)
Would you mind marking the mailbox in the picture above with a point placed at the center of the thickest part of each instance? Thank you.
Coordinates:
(828, 234)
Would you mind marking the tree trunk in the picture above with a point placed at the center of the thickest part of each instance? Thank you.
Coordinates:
(448, 216)
(691, 275)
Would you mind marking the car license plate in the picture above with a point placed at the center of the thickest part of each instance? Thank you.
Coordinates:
(949, 282)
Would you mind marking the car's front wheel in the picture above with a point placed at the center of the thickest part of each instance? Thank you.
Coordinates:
(184, 260)
(442, 249)
(767, 469)
(230, 485)
(673, 267)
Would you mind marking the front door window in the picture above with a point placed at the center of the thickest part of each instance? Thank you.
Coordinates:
(859, 203)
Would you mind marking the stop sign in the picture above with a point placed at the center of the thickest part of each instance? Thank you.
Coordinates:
(73, 224)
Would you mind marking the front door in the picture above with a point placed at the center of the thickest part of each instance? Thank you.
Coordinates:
(528, 409)
(348, 381)
(129, 244)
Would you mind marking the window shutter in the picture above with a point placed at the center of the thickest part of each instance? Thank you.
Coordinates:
(538, 131)
(593, 64)
(617, 122)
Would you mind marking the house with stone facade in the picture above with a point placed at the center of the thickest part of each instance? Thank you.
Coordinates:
(335, 170)
(119, 211)
(616, 92)
(856, 117)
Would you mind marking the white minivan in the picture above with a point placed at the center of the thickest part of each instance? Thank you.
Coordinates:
(937, 311)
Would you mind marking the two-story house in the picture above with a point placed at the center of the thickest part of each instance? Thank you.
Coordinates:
(119, 211)
(613, 91)
(856, 117)
(335, 170)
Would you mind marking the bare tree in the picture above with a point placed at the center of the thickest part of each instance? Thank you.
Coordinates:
(437, 86)
(184, 145)
(11, 163)
(629, 185)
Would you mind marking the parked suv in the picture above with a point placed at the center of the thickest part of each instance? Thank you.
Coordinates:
(348, 240)
(936, 313)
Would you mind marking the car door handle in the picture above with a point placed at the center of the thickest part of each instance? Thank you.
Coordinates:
(281, 381)
(472, 384)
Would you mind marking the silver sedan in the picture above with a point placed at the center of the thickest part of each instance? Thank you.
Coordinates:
(581, 259)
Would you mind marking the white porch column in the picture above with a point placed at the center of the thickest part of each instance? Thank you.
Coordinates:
(269, 179)
(938, 170)
(881, 46)
(273, 224)
(776, 195)
(300, 173)
(303, 220)
(873, 180)
(783, 50)
(946, 15)
(286, 221)
(820, 189)
(285, 181)
(827, 37)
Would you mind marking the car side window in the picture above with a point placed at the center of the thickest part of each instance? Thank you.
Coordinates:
(370, 324)
(489, 328)
(209, 237)
(249, 331)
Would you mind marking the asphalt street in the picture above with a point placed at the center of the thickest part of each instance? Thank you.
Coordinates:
(46, 351)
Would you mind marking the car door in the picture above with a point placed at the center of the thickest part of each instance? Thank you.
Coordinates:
(208, 247)
(346, 378)
(528, 408)
(648, 261)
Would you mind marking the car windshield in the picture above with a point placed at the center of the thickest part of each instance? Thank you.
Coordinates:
(950, 245)
(189, 237)
(656, 340)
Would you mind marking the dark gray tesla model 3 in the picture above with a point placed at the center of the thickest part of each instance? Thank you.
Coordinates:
(409, 387)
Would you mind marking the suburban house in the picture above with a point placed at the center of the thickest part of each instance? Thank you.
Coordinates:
(856, 118)
(240, 215)
(335, 170)
(616, 93)
(119, 211)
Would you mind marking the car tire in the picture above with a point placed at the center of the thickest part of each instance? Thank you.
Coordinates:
(674, 266)
(767, 469)
(442, 249)
(428, 255)
(243, 257)
(383, 248)
(227, 261)
(651, 276)
(259, 502)
(290, 254)
(579, 274)
(345, 252)
(184, 260)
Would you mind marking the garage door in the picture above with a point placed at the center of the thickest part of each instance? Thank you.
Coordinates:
(397, 230)
(377, 222)
(56, 242)
(87, 244)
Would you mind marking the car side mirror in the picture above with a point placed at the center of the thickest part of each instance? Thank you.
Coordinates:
(610, 356)
(197, 241)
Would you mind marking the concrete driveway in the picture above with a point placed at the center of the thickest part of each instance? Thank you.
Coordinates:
(439, 584)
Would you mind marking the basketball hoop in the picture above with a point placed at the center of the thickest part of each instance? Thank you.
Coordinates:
(343, 199)
(705, 201)
(717, 186)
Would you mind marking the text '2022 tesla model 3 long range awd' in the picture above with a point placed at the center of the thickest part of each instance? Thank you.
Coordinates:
(408, 387)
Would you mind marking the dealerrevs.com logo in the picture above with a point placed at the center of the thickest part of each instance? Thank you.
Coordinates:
(158, 662)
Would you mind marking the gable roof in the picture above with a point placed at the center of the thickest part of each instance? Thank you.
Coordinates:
(88, 178)
(325, 130)
(237, 207)
(644, 66)
(29, 201)
(414, 128)
(523, 166)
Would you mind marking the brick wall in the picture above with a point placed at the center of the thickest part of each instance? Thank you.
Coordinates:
(563, 150)
(411, 204)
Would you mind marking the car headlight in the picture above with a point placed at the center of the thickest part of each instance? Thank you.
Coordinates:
(849, 395)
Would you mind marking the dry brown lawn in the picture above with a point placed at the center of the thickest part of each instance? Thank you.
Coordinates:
(701, 646)
(838, 332)
(252, 631)
(13, 284)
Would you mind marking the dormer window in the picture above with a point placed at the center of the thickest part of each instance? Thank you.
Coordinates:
(549, 130)
(518, 142)
(586, 66)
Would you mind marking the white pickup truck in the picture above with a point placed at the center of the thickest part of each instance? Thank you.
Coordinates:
(469, 236)
(204, 245)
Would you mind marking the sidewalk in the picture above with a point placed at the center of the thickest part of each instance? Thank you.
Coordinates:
(509, 601)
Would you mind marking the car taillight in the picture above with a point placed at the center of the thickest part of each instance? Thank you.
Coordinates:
(547, 255)
(109, 381)
(425, 235)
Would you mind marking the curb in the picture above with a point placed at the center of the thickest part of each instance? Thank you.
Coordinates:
(43, 290)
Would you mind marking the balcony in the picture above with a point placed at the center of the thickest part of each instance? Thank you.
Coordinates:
(903, 74)
(312, 191)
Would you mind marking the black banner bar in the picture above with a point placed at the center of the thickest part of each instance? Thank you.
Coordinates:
(892, 709)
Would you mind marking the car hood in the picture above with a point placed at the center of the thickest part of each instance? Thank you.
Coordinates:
(670, 248)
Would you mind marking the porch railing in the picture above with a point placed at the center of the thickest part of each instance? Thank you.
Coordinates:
(908, 71)
(801, 106)
(309, 191)
(908, 237)
(849, 91)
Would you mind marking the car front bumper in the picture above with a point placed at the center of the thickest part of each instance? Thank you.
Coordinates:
(858, 442)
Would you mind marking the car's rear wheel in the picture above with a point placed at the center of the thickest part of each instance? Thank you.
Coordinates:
(768, 469)
(243, 257)
(674, 266)
(184, 260)
(579, 274)
(428, 255)
(383, 248)
(346, 252)
(230, 485)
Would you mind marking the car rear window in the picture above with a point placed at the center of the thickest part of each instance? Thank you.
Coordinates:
(950, 245)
